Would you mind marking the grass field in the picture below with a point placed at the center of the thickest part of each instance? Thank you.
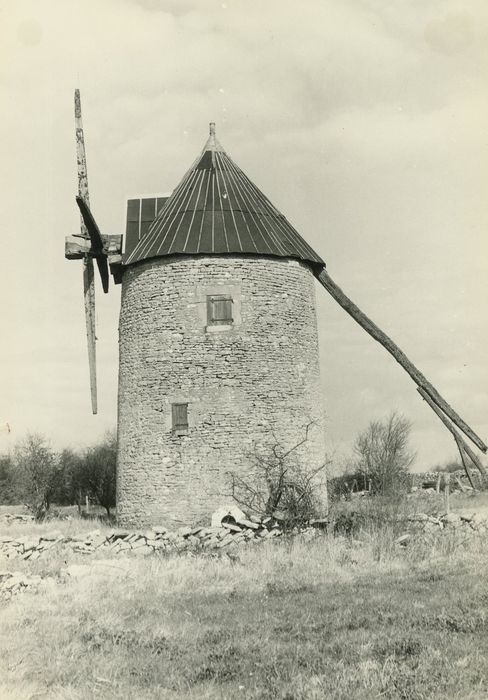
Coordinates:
(332, 618)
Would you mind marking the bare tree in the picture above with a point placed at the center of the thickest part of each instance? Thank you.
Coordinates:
(97, 471)
(277, 484)
(383, 454)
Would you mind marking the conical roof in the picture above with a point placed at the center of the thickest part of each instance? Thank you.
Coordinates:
(216, 209)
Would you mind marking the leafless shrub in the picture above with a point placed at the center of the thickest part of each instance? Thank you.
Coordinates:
(278, 485)
(383, 454)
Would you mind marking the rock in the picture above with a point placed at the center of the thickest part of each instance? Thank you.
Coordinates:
(28, 543)
(249, 524)
(145, 551)
(183, 531)
(417, 518)
(451, 518)
(256, 519)
(17, 579)
(51, 536)
(225, 541)
(196, 531)
(160, 530)
(403, 539)
(224, 511)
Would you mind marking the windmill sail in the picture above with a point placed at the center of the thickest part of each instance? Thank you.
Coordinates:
(88, 276)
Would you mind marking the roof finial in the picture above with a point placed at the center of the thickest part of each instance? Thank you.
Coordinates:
(212, 143)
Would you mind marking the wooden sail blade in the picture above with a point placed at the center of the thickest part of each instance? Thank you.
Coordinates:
(89, 294)
(91, 226)
(88, 275)
(102, 265)
(81, 158)
(336, 293)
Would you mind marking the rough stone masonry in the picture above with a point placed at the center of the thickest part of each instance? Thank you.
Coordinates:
(246, 383)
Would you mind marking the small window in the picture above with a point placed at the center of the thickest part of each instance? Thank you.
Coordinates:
(180, 418)
(219, 310)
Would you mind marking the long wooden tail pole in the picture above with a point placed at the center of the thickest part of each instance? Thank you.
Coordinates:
(336, 293)
(88, 275)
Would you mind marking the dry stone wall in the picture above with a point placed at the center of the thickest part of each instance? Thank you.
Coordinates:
(246, 384)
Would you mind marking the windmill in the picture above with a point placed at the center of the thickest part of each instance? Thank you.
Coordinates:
(218, 341)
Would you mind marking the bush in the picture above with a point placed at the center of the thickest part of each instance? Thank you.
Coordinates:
(36, 473)
(384, 456)
(279, 486)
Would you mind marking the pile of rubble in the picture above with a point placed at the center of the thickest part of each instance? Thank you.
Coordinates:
(470, 522)
(10, 518)
(13, 583)
(229, 528)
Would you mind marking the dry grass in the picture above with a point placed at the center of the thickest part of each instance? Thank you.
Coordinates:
(332, 618)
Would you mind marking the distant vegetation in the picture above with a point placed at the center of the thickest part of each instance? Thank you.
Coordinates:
(381, 460)
(37, 476)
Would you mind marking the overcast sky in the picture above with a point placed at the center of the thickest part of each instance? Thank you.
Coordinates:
(364, 121)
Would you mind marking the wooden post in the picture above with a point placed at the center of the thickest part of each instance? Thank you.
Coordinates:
(438, 484)
(447, 492)
(327, 282)
(460, 483)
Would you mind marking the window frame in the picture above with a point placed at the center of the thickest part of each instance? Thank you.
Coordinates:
(227, 320)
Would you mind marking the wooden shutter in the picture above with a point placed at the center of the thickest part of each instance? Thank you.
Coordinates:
(180, 416)
(219, 309)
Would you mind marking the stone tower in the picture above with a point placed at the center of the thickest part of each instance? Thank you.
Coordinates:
(218, 345)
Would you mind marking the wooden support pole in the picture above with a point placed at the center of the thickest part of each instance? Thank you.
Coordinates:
(462, 444)
(336, 293)
(463, 460)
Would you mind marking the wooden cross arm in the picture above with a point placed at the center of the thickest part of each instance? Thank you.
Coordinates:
(76, 247)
